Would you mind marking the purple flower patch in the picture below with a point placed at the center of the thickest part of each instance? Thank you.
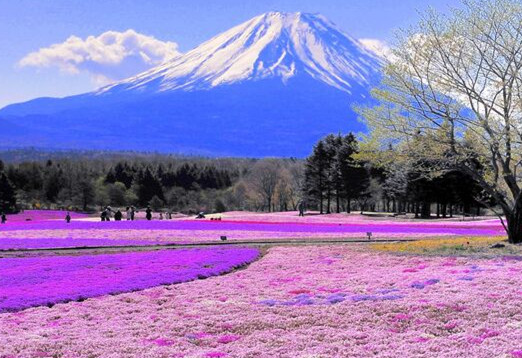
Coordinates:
(39, 281)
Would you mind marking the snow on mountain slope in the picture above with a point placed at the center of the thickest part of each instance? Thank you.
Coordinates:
(272, 45)
(271, 86)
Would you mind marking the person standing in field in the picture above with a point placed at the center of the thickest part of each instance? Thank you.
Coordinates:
(148, 213)
(118, 215)
(128, 213)
(4, 218)
(109, 212)
(301, 207)
(68, 218)
(132, 213)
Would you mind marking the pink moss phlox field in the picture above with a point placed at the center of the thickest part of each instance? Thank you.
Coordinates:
(192, 231)
(47, 243)
(29, 216)
(231, 226)
(28, 282)
(353, 218)
(344, 312)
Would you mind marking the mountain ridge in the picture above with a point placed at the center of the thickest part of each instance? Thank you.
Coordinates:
(270, 86)
(270, 45)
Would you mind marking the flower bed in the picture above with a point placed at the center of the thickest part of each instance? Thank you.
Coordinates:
(30, 216)
(48, 243)
(209, 231)
(324, 301)
(28, 282)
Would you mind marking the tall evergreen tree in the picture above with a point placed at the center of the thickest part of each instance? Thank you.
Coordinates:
(7, 195)
(316, 172)
(147, 186)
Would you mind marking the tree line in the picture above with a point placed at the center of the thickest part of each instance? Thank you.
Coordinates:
(338, 178)
(179, 184)
(334, 178)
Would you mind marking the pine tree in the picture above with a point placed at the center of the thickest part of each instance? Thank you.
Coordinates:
(354, 175)
(147, 186)
(316, 168)
(7, 195)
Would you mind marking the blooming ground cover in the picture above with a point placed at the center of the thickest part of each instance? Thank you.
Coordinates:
(352, 218)
(186, 231)
(28, 216)
(47, 243)
(27, 282)
(320, 301)
(453, 246)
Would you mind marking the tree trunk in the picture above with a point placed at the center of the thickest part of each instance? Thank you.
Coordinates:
(328, 195)
(426, 210)
(514, 223)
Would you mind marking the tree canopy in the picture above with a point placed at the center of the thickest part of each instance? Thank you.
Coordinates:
(451, 99)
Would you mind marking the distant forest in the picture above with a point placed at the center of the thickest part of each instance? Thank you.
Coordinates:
(331, 179)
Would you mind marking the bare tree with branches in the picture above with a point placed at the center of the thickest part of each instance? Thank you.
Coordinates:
(264, 178)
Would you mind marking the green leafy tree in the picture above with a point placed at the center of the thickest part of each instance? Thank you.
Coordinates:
(85, 193)
(156, 203)
(452, 97)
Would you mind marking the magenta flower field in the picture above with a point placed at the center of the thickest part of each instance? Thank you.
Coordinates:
(7, 244)
(45, 234)
(36, 281)
(296, 301)
(321, 301)
(29, 216)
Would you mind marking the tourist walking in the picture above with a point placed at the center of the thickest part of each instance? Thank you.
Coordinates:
(301, 208)
(128, 213)
(108, 210)
(148, 213)
(103, 215)
(68, 218)
(132, 213)
(4, 218)
(118, 215)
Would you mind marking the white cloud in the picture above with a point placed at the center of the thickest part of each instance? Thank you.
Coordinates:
(378, 47)
(108, 57)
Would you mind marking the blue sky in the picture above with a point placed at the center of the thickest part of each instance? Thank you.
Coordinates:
(163, 27)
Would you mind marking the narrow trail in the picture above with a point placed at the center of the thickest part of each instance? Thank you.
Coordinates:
(173, 246)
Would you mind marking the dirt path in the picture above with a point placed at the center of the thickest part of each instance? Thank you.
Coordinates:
(115, 249)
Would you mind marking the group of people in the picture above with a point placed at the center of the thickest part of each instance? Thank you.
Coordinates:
(108, 213)
(130, 213)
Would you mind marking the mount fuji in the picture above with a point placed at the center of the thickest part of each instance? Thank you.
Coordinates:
(270, 86)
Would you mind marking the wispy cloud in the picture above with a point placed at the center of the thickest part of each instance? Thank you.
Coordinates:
(108, 57)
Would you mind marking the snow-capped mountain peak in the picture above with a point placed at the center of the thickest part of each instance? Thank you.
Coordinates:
(272, 45)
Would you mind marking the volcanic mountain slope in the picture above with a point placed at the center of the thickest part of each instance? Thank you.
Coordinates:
(268, 87)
